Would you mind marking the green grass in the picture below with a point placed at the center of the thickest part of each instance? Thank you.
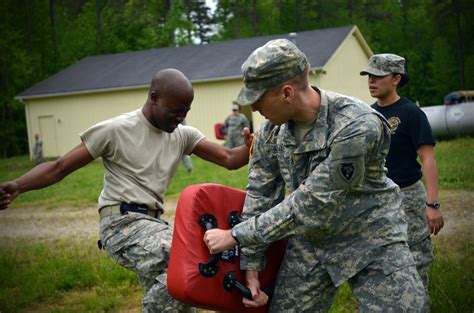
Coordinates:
(455, 159)
(451, 278)
(205, 172)
(50, 274)
(84, 185)
(451, 275)
(80, 278)
(77, 277)
(81, 187)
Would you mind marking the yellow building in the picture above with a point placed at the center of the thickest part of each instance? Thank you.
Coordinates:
(100, 87)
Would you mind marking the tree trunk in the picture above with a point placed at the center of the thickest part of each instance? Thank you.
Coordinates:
(460, 43)
(3, 129)
(29, 33)
(404, 12)
(188, 6)
(235, 12)
(350, 9)
(54, 35)
(297, 15)
(99, 6)
(254, 17)
(171, 36)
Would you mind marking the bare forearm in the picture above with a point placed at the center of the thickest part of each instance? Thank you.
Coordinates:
(239, 157)
(44, 174)
(430, 173)
(434, 215)
(41, 176)
(49, 173)
(426, 154)
(229, 158)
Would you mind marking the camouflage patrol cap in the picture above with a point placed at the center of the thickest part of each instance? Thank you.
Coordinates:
(384, 64)
(268, 66)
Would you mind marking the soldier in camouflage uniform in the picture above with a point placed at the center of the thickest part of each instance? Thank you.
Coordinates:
(38, 150)
(411, 139)
(234, 125)
(141, 151)
(342, 217)
(186, 159)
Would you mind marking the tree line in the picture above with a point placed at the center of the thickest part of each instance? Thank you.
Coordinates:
(40, 37)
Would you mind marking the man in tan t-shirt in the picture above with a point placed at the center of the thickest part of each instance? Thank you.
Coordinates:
(140, 151)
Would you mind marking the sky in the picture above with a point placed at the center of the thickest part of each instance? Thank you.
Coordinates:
(211, 4)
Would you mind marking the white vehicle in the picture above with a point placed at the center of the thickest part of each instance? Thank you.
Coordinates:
(454, 117)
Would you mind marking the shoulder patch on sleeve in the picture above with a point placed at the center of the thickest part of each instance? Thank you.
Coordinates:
(347, 170)
(348, 164)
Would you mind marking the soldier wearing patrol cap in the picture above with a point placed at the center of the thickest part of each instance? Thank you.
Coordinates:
(411, 138)
(342, 215)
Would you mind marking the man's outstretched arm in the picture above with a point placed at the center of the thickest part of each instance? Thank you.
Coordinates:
(44, 174)
(229, 158)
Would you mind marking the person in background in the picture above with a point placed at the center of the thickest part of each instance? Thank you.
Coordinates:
(186, 159)
(411, 138)
(141, 151)
(38, 150)
(452, 98)
(187, 162)
(234, 125)
(342, 216)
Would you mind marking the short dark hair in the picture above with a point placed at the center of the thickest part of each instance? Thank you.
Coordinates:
(404, 80)
(301, 81)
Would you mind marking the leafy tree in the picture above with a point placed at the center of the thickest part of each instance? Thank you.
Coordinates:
(15, 68)
(199, 16)
(40, 37)
(178, 24)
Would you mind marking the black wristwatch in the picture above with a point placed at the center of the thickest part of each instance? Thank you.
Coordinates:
(434, 205)
(232, 233)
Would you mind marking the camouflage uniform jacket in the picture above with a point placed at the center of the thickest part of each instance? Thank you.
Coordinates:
(341, 206)
(235, 124)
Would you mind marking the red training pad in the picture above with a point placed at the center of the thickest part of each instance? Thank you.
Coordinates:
(185, 282)
(218, 130)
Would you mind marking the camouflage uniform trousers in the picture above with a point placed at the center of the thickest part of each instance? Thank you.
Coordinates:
(382, 286)
(233, 140)
(142, 244)
(187, 162)
(419, 239)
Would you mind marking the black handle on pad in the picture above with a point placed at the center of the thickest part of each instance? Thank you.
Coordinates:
(230, 283)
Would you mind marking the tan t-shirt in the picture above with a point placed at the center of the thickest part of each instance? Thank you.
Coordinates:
(140, 160)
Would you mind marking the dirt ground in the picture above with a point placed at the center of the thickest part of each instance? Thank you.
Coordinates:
(43, 225)
(49, 225)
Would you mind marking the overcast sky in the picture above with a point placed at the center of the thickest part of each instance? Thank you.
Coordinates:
(211, 4)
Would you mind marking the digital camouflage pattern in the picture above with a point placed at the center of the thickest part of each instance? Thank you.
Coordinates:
(315, 291)
(392, 288)
(270, 65)
(384, 64)
(38, 151)
(342, 213)
(187, 162)
(141, 243)
(419, 240)
(234, 125)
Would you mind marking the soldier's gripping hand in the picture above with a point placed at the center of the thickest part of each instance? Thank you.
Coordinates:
(218, 240)
(260, 298)
(8, 192)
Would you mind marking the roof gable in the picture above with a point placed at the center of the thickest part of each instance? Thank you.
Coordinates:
(220, 60)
